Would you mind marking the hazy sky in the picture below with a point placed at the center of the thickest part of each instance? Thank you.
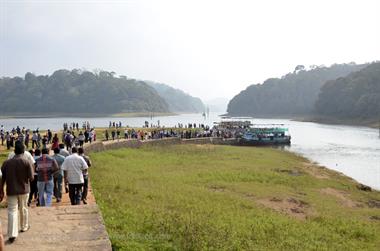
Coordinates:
(207, 48)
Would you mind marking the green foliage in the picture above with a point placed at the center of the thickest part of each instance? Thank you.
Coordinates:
(354, 96)
(191, 197)
(294, 94)
(178, 100)
(78, 92)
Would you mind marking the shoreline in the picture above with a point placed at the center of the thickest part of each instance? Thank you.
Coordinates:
(320, 120)
(332, 121)
(87, 115)
(102, 145)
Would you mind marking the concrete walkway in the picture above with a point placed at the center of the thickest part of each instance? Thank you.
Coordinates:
(61, 227)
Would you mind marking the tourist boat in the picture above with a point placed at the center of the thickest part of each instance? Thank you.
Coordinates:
(261, 135)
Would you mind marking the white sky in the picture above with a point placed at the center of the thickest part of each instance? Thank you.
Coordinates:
(207, 48)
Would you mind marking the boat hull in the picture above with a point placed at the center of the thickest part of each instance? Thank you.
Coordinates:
(251, 142)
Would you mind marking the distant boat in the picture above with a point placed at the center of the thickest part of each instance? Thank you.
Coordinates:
(225, 116)
(242, 117)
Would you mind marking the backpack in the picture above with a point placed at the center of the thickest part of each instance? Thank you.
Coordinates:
(67, 138)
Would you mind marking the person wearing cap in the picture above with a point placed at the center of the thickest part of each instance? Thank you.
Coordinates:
(17, 172)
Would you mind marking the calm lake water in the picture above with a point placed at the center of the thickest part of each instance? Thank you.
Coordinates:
(352, 150)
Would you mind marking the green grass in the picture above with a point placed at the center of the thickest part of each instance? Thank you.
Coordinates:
(192, 197)
(3, 156)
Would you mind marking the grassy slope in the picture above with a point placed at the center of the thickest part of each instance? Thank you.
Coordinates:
(211, 198)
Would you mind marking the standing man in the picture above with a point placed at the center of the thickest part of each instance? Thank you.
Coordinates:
(68, 140)
(27, 139)
(73, 168)
(58, 176)
(8, 138)
(106, 134)
(34, 139)
(85, 174)
(2, 135)
(17, 173)
(49, 136)
(46, 167)
(64, 153)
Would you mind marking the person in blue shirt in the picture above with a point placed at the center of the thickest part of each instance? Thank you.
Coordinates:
(58, 176)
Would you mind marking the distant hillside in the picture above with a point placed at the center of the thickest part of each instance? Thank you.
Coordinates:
(356, 96)
(178, 100)
(294, 94)
(77, 92)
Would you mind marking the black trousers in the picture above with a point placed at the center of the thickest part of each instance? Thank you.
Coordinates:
(75, 193)
(85, 187)
(33, 190)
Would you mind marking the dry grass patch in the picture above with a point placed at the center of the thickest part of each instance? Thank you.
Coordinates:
(290, 206)
(341, 196)
(316, 171)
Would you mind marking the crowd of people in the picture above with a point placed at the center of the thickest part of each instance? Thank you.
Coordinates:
(75, 126)
(69, 136)
(40, 174)
(188, 131)
(53, 163)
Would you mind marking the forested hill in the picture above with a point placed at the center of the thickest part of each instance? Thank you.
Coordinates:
(356, 96)
(178, 100)
(77, 91)
(294, 94)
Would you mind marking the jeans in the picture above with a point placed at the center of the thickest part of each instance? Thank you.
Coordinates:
(17, 202)
(85, 187)
(58, 186)
(75, 193)
(45, 187)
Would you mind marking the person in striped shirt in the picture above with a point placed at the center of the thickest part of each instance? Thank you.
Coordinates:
(46, 167)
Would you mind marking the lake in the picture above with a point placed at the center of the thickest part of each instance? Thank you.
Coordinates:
(352, 150)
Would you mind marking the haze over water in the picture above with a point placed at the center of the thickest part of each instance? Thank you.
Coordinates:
(352, 150)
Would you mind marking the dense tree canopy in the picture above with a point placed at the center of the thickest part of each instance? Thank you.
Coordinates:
(354, 96)
(178, 100)
(294, 94)
(77, 92)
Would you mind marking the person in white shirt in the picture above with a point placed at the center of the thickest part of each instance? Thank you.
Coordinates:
(26, 155)
(73, 168)
(63, 151)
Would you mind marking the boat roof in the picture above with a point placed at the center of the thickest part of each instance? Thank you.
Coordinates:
(233, 123)
(268, 129)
